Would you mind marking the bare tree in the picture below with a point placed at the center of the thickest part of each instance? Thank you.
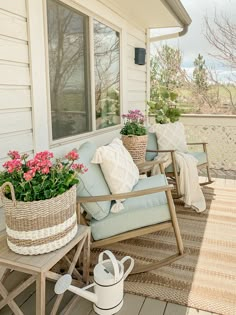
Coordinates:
(221, 34)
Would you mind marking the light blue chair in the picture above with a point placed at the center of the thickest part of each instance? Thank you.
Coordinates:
(148, 208)
(172, 171)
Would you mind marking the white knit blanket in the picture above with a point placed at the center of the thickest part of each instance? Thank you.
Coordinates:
(189, 182)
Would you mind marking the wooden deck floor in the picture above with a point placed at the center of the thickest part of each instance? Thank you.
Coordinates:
(133, 305)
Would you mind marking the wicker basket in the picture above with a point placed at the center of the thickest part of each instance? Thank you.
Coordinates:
(42, 226)
(136, 145)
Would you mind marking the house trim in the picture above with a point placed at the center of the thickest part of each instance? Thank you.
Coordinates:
(38, 75)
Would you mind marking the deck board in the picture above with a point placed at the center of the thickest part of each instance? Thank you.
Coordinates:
(84, 307)
(153, 307)
(174, 309)
(132, 304)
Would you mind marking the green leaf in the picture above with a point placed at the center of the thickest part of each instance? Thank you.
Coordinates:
(47, 194)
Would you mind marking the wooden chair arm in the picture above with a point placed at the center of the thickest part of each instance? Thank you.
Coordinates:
(197, 143)
(204, 145)
(148, 165)
(159, 151)
(124, 195)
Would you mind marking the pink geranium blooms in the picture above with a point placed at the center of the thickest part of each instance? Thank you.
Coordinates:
(134, 123)
(72, 155)
(41, 177)
(80, 167)
(28, 176)
(14, 155)
(13, 165)
(135, 116)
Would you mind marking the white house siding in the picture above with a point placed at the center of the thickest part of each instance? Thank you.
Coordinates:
(137, 74)
(15, 100)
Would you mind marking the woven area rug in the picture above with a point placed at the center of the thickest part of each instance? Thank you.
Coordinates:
(206, 277)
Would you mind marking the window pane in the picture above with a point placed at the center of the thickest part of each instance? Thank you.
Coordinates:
(68, 70)
(107, 75)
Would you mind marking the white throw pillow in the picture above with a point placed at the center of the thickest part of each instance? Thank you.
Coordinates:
(118, 168)
(170, 136)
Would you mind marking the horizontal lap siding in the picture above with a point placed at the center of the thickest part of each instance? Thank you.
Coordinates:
(137, 75)
(10, 96)
(13, 50)
(14, 74)
(14, 6)
(12, 25)
(15, 100)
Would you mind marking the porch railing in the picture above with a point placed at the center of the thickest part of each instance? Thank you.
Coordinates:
(219, 131)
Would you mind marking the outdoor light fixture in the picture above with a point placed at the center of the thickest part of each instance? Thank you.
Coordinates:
(139, 58)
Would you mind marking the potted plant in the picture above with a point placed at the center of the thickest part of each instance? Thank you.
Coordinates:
(134, 134)
(164, 106)
(39, 197)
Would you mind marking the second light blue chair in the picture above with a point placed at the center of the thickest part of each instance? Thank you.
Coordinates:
(172, 171)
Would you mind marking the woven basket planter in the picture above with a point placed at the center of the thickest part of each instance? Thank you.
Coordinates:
(42, 226)
(136, 145)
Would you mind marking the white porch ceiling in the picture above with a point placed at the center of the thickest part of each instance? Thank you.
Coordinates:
(151, 13)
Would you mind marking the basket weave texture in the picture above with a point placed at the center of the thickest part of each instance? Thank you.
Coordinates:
(136, 145)
(39, 227)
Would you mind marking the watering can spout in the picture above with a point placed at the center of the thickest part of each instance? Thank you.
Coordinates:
(64, 283)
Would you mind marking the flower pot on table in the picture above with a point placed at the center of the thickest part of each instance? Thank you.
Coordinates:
(38, 227)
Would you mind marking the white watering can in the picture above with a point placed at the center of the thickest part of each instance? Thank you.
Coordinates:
(108, 284)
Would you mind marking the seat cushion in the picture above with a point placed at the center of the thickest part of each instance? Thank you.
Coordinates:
(200, 156)
(151, 145)
(92, 183)
(138, 211)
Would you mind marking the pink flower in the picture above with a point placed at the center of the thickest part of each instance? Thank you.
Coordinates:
(13, 165)
(41, 162)
(134, 116)
(45, 155)
(72, 156)
(27, 176)
(79, 167)
(14, 155)
(45, 170)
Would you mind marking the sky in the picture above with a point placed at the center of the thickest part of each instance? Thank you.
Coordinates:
(194, 42)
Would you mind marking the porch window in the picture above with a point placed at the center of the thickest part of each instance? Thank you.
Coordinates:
(72, 110)
(107, 75)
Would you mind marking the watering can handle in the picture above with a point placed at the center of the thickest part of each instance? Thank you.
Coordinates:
(113, 260)
(131, 266)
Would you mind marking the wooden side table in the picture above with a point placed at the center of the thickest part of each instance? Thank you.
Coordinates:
(39, 268)
(147, 166)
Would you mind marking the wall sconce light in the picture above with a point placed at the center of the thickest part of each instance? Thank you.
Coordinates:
(139, 58)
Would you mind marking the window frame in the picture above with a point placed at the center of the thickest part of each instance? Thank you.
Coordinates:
(91, 17)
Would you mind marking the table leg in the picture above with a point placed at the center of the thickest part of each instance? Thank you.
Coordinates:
(71, 268)
(40, 294)
(4, 293)
(13, 306)
(86, 259)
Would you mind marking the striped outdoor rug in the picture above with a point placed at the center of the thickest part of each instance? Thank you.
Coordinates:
(206, 277)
